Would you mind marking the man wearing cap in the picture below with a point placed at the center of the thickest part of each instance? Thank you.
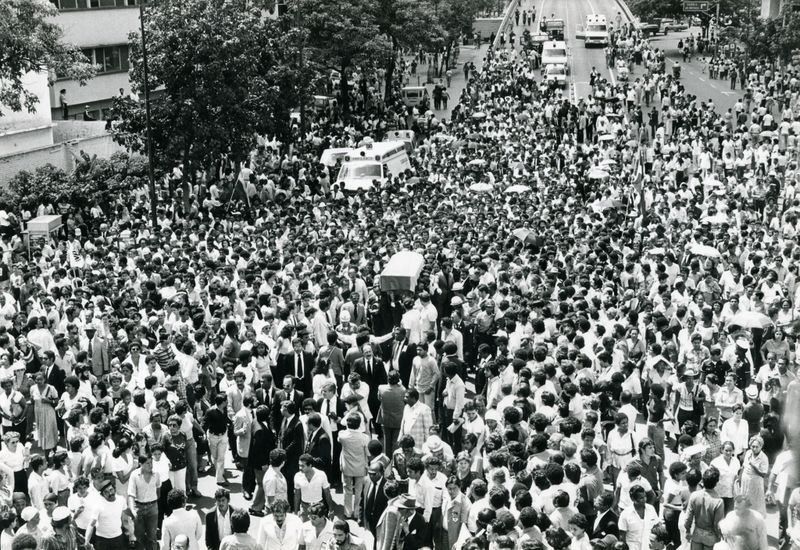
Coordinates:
(30, 516)
(108, 520)
(63, 534)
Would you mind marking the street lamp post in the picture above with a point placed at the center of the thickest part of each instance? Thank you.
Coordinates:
(153, 216)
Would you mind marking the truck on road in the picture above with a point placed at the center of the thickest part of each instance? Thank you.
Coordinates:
(594, 31)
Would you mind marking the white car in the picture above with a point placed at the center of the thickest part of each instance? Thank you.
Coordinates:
(556, 75)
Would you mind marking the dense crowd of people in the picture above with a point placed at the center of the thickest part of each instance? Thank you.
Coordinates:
(600, 352)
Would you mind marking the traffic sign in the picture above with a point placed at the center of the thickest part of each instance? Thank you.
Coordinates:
(696, 6)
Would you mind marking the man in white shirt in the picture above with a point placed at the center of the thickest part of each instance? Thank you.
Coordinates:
(138, 417)
(454, 395)
(280, 530)
(108, 521)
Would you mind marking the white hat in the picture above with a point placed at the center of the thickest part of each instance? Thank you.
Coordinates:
(434, 443)
(61, 513)
(751, 391)
(28, 513)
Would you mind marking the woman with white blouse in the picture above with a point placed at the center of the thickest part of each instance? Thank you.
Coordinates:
(621, 445)
(735, 430)
(728, 467)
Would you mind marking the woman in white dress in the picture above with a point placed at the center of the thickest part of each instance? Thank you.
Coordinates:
(728, 466)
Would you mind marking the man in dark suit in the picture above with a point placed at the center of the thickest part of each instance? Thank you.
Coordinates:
(262, 444)
(265, 393)
(376, 500)
(417, 535)
(216, 517)
(373, 373)
(288, 393)
(318, 443)
(299, 364)
(54, 374)
(291, 439)
(606, 521)
(333, 408)
(390, 415)
(401, 355)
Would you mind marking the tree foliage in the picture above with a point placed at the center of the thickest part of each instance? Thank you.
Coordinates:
(92, 181)
(31, 42)
(407, 24)
(647, 10)
(774, 38)
(216, 76)
(342, 35)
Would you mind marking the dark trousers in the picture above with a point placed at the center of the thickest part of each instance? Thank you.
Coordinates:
(109, 544)
(163, 507)
(146, 525)
(390, 436)
(433, 525)
(452, 439)
(248, 478)
(232, 443)
(288, 473)
(335, 477)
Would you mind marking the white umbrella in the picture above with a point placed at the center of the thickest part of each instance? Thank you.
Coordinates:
(480, 187)
(518, 189)
(608, 163)
(750, 319)
(705, 250)
(477, 162)
(606, 137)
(479, 115)
(716, 219)
(597, 174)
(656, 251)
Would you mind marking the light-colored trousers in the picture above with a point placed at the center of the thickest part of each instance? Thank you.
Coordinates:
(218, 445)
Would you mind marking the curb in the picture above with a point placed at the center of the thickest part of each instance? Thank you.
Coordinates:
(510, 8)
(626, 10)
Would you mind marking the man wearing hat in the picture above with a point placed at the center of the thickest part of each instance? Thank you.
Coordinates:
(108, 520)
(391, 524)
(63, 533)
(30, 516)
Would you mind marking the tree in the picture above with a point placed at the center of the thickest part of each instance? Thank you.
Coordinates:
(92, 181)
(31, 42)
(774, 38)
(215, 79)
(407, 24)
(342, 35)
(647, 10)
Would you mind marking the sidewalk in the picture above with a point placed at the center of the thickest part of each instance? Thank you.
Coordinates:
(466, 54)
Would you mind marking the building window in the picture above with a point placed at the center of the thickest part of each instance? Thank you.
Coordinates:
(94, 4)
(68, 4)
(109, 59)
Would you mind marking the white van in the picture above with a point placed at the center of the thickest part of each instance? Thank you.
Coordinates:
(555, 53)
(594, 31)
(329, 157)
(406, 136)
(372, 162)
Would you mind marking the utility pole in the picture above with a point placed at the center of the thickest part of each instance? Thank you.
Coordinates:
(153, 216)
